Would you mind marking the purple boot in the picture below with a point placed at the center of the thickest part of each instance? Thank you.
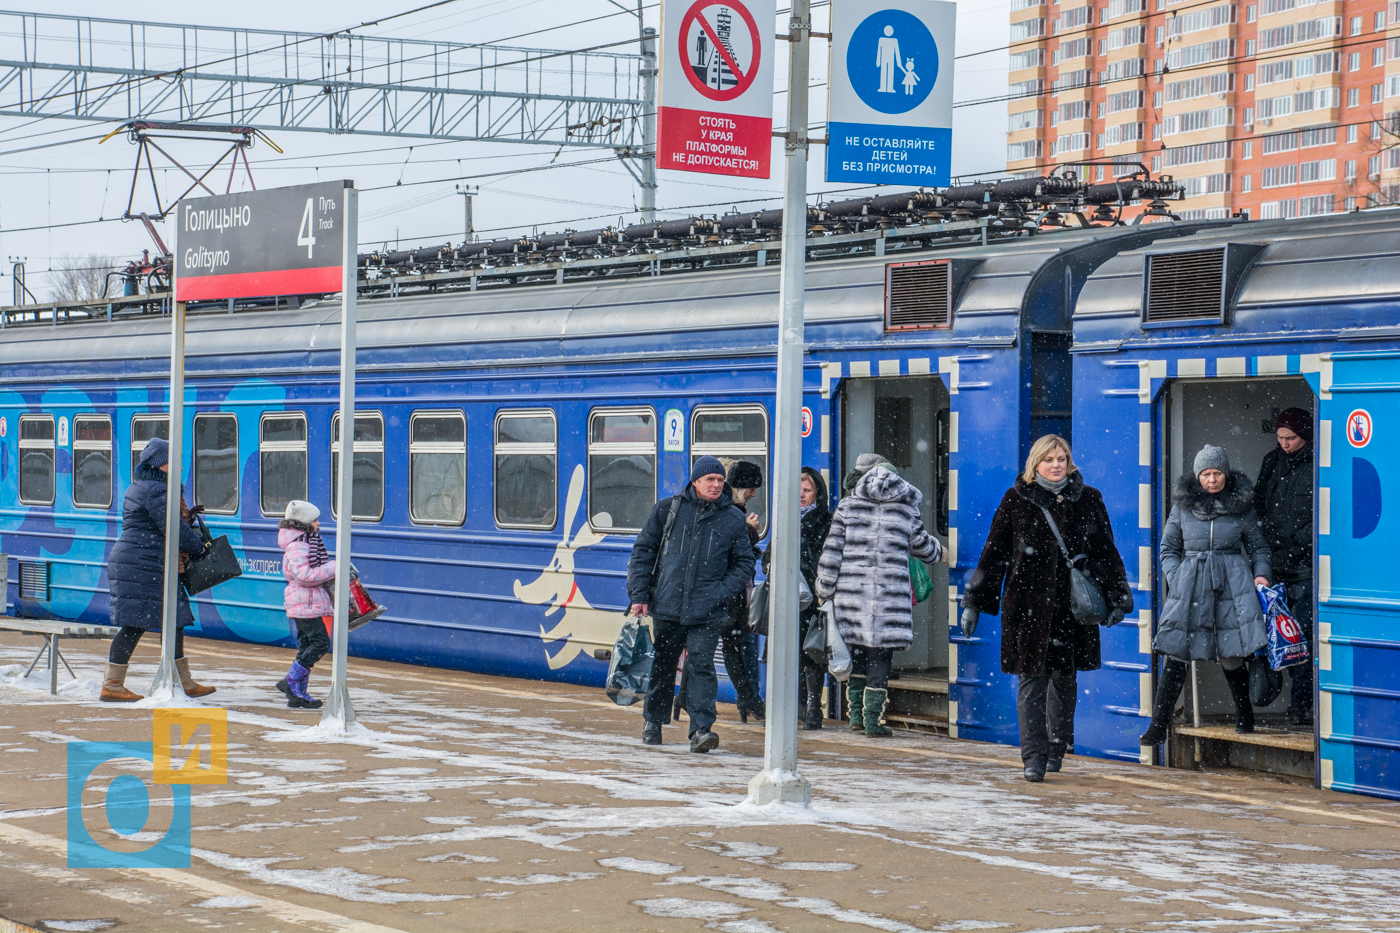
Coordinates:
(294, 687)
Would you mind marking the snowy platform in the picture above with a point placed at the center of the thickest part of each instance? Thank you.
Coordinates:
(472, 802)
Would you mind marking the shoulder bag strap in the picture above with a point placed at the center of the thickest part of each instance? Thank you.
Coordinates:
(665, 534)
(1055, 530)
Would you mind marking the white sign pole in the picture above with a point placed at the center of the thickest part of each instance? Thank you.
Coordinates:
(338, 712)
(166, 679)
(779, 780)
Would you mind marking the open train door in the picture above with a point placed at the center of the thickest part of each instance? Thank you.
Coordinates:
(1358, 590)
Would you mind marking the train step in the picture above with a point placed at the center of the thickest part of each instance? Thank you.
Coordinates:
(919, 700)
(1275, 751)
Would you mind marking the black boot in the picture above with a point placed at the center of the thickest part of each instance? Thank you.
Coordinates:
(813, 719)
(1168, 689)
(1238, 679)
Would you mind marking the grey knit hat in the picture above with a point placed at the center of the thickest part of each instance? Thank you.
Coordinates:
(870, 461)
(1212, 458)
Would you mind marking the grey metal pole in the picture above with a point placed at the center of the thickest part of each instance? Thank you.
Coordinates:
(467, 215)
(167, 680)
(338, 711)
(779, 780)
(649, 65)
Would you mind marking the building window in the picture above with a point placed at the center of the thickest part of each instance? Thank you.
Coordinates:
(1251, 13)
(1356, 25)
(1246, 183)
(738, 433)
(36, 459)
(1349, 204)
(92, 461)
(1249, 48)
(1353, 98)
(1351, 133)
(1350, 170)
(281, 460)
(143, 429)
(216, 463)
(367, 466)
(437, 469)
(621, 467)
(526, 482)
(1247, 150)
(1377, 57)
(1380, 21)
(1354, 61)
(1377, 93)
(1373, 167)
(1248, 116)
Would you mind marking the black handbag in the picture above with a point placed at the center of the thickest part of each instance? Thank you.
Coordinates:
(1086, 602)
(218, 564)
(758, 609)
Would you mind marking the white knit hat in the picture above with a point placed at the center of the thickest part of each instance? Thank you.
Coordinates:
(304, 512)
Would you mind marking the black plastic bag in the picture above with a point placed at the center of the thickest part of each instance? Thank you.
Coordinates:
(629, 672)
(1265, 683)
(814, 642)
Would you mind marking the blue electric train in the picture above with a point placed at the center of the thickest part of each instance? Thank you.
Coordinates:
(516, 421)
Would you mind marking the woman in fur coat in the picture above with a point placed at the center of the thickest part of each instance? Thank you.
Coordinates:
(864, 568)
(1213, 556)
(1022, 576)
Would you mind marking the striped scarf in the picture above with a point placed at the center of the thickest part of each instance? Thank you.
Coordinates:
(317, 549)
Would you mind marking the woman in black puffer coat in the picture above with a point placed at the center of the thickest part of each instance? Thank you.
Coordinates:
(1213, 556)
(136, 574)
(816, 524)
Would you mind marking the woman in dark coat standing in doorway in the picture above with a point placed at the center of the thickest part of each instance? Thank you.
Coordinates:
(1023, 577)
(136, 574)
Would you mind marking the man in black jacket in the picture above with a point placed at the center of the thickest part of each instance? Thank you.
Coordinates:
(1283, 500)
(705, 560)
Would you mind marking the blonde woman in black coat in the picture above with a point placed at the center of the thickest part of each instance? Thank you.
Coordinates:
(1022, 576)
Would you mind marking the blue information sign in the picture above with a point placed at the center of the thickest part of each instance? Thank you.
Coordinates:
(891, 102)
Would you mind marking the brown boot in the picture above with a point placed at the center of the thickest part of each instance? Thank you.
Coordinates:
(113, 689)
(192, 689)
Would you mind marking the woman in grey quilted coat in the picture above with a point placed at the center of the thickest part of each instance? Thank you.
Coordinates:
(1213, 556)
(864, 569)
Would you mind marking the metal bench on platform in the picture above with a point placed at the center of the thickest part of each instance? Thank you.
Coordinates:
(51, 632)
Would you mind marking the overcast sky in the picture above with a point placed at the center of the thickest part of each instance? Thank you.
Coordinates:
(82, 180)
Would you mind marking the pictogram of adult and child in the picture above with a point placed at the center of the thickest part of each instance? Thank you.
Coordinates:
(887, 59)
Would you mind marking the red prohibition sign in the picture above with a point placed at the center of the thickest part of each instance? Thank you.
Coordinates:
(745, 79)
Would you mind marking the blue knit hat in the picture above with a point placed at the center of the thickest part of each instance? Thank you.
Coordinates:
(706, 466)
(156, 453)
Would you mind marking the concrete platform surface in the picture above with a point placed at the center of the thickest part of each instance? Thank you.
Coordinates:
(486, 804)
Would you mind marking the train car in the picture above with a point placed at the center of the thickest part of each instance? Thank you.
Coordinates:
(509, 439)
(1206, 339)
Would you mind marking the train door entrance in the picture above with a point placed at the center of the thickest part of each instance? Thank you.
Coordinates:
(905, 420)
(1237, 415)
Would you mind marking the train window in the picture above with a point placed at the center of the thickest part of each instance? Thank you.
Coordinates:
(621, 467)
(527, 472)
(36, 459)
(281, 460)
(437, 470)
(367, 491)
(737, 432)
(143, 428)
(216, 463)
(92, 461)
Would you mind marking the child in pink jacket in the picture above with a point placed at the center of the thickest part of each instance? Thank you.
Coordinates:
(307, 567)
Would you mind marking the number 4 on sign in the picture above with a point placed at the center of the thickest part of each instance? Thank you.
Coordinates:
(306, 232)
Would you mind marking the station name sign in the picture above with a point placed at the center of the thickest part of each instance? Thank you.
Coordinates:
(260, 244)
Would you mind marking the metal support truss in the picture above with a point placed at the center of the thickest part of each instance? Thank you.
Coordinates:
(105, 70)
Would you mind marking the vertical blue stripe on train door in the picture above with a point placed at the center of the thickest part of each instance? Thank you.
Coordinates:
(1358, 442)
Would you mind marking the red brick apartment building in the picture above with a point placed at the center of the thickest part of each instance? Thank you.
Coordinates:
(1278, 108)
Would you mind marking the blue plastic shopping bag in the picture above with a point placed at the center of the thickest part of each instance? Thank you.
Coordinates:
(1286, 646)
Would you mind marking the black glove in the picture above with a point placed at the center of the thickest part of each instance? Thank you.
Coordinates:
(969, 620)
(1115, 616)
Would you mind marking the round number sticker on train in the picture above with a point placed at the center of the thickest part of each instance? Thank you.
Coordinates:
(806, 422)
(1359, 428)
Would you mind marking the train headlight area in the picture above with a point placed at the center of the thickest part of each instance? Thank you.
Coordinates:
(506, 438)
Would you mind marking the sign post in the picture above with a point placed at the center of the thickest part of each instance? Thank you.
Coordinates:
(779, 780)
(260, 244)
(890, 109)
(716, 106)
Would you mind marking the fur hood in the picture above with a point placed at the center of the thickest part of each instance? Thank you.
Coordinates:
(148, 473)
(882, 485)
(1041, 497)
(293, 524)
(1236, 498)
